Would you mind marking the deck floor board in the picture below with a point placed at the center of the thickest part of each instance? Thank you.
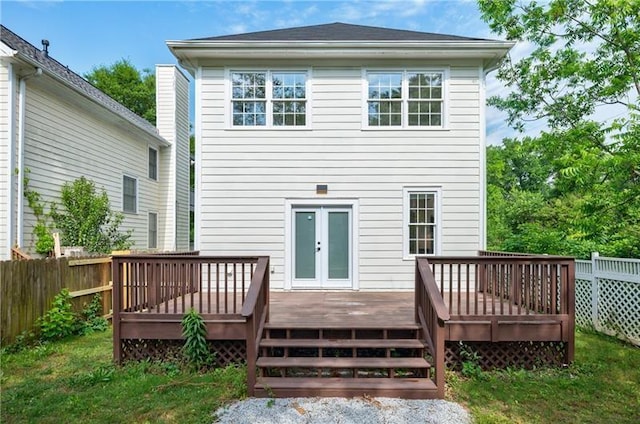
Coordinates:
(336, 308)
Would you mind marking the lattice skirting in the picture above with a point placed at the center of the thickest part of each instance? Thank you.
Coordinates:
(227, 351)
(499, 355)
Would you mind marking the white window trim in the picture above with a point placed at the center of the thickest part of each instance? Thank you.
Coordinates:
(405, 220)
(157, 229)
(137, 196)
(405, 89)
(228, 111)
(157, 163)
(289, 204)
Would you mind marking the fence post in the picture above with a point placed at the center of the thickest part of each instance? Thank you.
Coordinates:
(594, 289)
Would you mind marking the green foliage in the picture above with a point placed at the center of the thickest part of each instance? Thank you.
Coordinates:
(42, 229)
(195, 349)
(86, 219)
(124, 83)
(575, 188)
(60, 321)
(470, 362)
(91, 317)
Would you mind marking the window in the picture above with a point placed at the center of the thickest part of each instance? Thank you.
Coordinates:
(153, 163)
(153, 230)
(129, 194)
(405, 99)
(421, 222)
(269, 99)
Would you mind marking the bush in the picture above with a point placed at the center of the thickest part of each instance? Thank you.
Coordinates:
(86, 219)
(60, 321)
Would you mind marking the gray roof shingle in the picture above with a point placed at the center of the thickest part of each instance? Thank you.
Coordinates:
(339, 32)
(49, 65)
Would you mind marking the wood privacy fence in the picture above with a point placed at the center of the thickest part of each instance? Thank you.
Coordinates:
(608, 296)
(28, 287)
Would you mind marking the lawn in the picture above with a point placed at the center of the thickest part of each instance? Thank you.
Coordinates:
(74, 381)
(602, 386)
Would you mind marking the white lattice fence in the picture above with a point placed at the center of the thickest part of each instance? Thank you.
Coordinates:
(608, 296)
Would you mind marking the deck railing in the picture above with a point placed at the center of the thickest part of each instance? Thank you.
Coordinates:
(175, 283)
(222, 289)
(256, 311)
(506, 285)
(432, 314)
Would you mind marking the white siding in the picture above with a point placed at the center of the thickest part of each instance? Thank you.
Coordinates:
(247, 174)
(67, 137)
(5, 168)
(172, 94)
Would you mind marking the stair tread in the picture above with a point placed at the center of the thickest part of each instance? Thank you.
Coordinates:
(356, 343)
(340, 326)
(347, 383)
(298, 362)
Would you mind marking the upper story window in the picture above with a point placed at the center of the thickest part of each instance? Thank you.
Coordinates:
(153, 163)
(269, 99)
(405, 99)
(129, 194)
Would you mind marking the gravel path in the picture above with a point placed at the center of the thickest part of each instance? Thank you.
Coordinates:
(342, 411)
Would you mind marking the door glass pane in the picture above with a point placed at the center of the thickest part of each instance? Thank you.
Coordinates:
(338, 245)
(305, 266)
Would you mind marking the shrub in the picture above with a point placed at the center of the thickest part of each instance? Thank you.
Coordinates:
(195, 349)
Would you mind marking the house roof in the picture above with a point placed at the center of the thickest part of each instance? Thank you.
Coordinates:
(339, 31)
(338, 41)
(38, 58)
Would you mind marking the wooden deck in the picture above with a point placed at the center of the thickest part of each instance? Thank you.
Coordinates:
(489, 303)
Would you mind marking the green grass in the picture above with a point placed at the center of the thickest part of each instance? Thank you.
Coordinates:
(602, 386)
(74, 381)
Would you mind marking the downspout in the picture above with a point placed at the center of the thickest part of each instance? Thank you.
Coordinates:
(12, 160)
(22, 99)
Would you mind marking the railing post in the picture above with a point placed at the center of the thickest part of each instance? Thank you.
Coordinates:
(439, 357)
(594, 290)
(116, 275)
(571, 309)
(251, 355)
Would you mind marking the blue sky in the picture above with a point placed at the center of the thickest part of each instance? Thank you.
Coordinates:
(84, 34)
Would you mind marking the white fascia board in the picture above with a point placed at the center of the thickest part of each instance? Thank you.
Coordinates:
(187, 51)
(6, 51)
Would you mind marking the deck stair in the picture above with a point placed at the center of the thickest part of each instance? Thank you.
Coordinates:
(343, 360)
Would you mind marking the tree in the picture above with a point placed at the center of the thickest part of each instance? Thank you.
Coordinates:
(585, 171)
(86, 219)
(124, 83)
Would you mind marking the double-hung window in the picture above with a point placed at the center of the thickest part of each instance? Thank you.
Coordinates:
(421, 222)
(405, 99)
(153, 231)
(269, 99)
(153, 164)
(129, 194)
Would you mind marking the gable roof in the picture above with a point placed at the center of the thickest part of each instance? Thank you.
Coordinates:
(38, 58)
(339, 31)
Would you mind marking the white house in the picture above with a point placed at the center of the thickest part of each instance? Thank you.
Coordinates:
(341, 151)
(59, 127)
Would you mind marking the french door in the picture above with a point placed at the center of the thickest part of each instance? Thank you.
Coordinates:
(322, 247)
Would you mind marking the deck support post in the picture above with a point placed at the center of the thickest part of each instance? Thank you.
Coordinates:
(116, 273)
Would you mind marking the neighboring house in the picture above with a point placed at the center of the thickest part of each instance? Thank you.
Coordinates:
(341, 151)
(59, 127)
